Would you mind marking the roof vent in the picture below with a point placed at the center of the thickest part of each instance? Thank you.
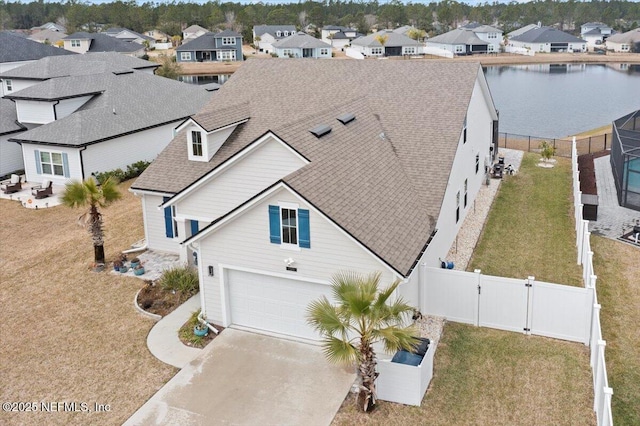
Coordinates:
(320, 130)
(346, 118)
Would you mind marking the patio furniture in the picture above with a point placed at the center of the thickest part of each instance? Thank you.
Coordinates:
(42, 191)
(13, 185)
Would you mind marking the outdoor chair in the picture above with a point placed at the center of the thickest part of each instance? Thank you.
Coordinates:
(42, 191)
(13, 185)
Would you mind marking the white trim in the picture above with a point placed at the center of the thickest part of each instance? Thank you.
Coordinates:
(226, 313)
(191, 217)
(224, 166)
(287, 205)
(147, 192)
(484, 86)
(275, 188)
(188, 121)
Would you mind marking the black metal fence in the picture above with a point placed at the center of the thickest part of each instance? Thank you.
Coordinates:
(586, 145)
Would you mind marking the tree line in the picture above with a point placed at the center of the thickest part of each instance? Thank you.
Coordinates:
(434, 17)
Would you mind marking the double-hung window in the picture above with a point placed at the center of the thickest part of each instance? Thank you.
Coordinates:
(289, 226)
(228, 41)
(196, 143)
(75, 43)
(52, 163)
(376, 50)
(185, 56)
(324, 51)
(9, 85)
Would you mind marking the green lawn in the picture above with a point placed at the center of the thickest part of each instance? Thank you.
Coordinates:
(530, 228)
(616, 265)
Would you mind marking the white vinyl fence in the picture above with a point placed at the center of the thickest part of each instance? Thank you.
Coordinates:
(602, 391)
(522, 305)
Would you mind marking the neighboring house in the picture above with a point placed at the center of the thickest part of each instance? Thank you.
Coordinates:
(299, 169)
(407, 29)
(51, 27)
(625, 42)
(47, 36)
(548, 40)
(10, 152)
(491, 35)
(595, 33)
(523, 30)
(302, 45)
(158, 36)
(265, 35)
(193, 32)
(461, 41)
(222, 46)
(17, 50)
(339, 37)
(131, 36)
(394, 44)
(82, 42)
(95, 114)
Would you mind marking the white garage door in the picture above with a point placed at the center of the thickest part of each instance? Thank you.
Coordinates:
(273, 304)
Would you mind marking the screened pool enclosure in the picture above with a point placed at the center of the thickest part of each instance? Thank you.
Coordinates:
(625, 159)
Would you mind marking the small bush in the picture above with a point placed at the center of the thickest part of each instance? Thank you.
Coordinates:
(133, 170)
(182, 278)
(547, 150)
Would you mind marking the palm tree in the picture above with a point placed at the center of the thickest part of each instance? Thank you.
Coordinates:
(90, 193)
(362, 315)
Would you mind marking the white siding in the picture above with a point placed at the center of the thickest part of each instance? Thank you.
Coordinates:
(28, 151)
(84, 46)
(69, 106)
(37, 112)
(244, 242)
(261, 168)
(154, 225)
(17, 84)
(10, 155)
(125, 150)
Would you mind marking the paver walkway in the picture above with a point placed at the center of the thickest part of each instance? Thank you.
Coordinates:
(613, 220)
(163, 340)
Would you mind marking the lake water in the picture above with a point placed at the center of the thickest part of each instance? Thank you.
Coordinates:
(557, 100)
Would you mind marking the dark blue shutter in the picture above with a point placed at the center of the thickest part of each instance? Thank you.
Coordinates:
(65, 164)
(194, 227)
(38, 163)
(274, 224)
(304, 231)
(168, 219)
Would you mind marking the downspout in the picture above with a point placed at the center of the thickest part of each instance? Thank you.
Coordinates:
(55, 113)
(201, 317)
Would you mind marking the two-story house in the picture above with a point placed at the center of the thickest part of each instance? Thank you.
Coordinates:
(192, 32)
(301, 45)
(595, 33)
(223, 46)
(265, 35)
(299, 169)
(339, 37)
(83, 42)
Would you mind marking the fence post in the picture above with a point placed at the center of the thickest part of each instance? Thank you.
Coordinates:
(478, 281)
(530, 281)
(529, 150)
(595, 337)
(589, 144)
(598, 376)
(592, 280)
(605, 141)
(606, 419)
(505, 140)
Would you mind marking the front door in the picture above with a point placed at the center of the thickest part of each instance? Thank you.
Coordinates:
(307, 53)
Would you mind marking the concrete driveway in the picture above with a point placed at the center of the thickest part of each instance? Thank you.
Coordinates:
(243, 378)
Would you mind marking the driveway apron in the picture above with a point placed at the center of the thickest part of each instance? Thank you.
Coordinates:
(243, 378)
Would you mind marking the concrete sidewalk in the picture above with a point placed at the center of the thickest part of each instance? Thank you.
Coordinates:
(163, 341)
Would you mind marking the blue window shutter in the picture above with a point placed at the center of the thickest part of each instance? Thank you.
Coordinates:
(168, 220)
(304, 231)
(65, 164)
(274, 224)
(194, 227)
(38, 163)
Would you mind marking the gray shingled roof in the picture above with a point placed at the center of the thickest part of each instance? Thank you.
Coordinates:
(300, 40)
(9, 118)
(458, 36)
(632, 36)
(47, 35)
(140, 101)
(260, 30)
(89, 63)
(546, 35)
(521, 30)
(206, 42)
(486, 29)
(393, 40)
(193, 29)
(16, 48)
(104, 43)
(413, 120)
(228, 33)
(62, 88)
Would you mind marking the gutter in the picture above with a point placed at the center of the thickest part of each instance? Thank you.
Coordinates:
(82, 161)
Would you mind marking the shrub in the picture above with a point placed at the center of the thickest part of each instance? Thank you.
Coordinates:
(547, 150)
(182, 278)
(133, 170)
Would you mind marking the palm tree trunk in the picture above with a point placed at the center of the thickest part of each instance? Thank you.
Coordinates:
(97, 234)
(367, 367)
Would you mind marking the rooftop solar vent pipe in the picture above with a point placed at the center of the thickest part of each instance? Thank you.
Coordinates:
(346, 118)
(320, 130)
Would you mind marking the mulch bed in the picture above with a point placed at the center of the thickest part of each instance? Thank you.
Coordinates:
(152, 298)
(588, 172)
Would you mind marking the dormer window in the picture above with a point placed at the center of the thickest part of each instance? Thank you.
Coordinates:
(9, 84)
(75, 43)
(278, 33)
(196, 143)
(228, 41)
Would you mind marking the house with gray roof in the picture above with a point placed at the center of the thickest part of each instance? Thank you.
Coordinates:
(339, 37)
(50, 26)
(192, 32)
(628, 42)
(131, 36)
(298, 169)
(547, 40)
(17, 51)
(97, 117)
(222, 46)
(301, 45)
(83, 42)
(47, 36)
(595, 33)
(386, 43)
(265, 35)
(10, 152)
(460, 41)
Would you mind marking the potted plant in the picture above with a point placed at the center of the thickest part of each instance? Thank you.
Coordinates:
(117, 264)
(200, 330)
(135, 262)
(138, 270)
